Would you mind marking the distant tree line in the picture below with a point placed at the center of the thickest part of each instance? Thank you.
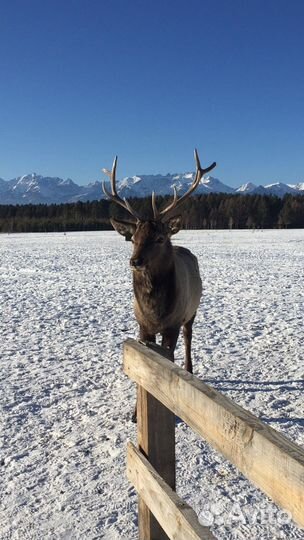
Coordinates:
(212, 211)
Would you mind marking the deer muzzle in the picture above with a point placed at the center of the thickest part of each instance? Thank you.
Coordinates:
(136, 262)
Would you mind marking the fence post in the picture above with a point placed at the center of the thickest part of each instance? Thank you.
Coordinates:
(156, 440)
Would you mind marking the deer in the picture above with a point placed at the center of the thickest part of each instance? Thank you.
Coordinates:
(167, 285)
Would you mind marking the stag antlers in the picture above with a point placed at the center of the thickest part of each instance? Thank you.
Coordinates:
(158, 215)
(114, 195)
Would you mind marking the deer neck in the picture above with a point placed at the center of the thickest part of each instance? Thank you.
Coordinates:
(155, 291)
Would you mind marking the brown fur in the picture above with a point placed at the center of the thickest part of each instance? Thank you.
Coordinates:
(166, 282)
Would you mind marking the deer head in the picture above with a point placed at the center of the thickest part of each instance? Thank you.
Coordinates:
(151, 238)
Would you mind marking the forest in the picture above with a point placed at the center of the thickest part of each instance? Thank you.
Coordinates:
(212, 211)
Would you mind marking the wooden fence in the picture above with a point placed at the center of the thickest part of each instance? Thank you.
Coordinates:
(264, 456)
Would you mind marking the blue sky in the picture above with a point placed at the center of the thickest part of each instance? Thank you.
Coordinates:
(82, 81)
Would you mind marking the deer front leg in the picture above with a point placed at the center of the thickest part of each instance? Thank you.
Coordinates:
(187, 331)
(146, 336)
(143, 336)
(169, 340)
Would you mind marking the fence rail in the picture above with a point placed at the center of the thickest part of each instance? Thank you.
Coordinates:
(267, 458)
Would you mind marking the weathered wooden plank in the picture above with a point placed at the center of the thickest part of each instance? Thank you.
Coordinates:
(267, 458)
(156, 440)
(177, 518)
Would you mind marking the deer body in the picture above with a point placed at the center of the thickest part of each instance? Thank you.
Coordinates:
(168, 299)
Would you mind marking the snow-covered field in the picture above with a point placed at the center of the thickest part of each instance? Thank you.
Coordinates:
(65, 402)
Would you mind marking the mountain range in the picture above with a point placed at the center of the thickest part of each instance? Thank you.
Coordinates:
(36, 189)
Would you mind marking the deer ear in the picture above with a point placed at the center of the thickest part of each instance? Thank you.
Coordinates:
(126, 228)
(174, 224)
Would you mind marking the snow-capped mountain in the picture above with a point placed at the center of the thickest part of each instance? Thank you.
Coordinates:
(142, 186)
(280, 189)
(35, 189)
(3, 185)
(249, 187)
(299, 186)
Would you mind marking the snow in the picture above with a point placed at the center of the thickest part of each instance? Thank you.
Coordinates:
(299, 186)
(248, 187)
(214, 185)
(66, 404)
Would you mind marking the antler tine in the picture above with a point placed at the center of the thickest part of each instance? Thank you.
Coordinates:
(198, 175)
(113, 176)
(156, 212)
(114, 195)
(172, 204)
(154, 207)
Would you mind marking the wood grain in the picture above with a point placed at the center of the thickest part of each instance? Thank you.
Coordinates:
(178, 519)
(270, 460)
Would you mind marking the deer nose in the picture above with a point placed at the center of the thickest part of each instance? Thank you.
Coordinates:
(136, 262)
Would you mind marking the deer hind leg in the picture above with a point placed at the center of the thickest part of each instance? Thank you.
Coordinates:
(187, 331)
